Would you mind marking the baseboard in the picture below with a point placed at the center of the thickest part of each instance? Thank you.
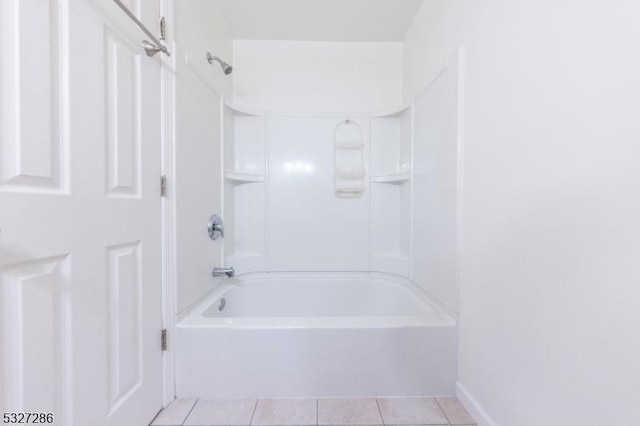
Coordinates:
(473, 407)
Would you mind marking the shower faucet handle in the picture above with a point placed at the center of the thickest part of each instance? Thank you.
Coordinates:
(215, 227)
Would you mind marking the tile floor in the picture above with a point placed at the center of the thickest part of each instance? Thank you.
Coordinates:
(312, 412)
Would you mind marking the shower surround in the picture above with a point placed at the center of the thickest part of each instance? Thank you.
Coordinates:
(332, 296)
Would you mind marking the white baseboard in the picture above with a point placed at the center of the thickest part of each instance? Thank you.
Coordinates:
(473, 407)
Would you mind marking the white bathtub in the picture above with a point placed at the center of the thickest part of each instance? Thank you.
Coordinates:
(315, 335)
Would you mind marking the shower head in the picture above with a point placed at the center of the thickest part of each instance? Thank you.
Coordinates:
(226, 68)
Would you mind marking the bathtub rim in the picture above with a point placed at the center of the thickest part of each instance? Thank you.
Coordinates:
(192, 316)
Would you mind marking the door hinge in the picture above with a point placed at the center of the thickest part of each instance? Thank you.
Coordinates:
(163, 28)
(163, 185)
(164, 340)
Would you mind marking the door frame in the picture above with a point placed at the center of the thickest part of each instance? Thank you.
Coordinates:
(169, 283)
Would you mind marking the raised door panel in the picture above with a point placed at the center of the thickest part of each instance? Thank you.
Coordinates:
(123, 68)
(124, 274)
(35, 336)
(33, 77)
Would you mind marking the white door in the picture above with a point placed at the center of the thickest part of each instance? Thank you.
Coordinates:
(80, 251)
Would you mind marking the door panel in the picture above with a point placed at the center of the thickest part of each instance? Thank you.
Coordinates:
(80, 253)
(123, 67)
(36, 329)
(32, 143)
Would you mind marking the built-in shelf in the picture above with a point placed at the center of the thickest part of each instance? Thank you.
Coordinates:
(396, 112)
(243, 111)
(391, 177)
(242, 176)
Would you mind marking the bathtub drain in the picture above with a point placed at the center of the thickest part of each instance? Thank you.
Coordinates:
(223, 302)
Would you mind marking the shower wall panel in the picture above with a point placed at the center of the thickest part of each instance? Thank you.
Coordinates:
(436, 187)
(198, 186)
(309, 228)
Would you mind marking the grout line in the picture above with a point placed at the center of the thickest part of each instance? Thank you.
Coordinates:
(254, 411)
(189, 413)
(441, 409)
(380, 411)
(317, 415)
(161, 410)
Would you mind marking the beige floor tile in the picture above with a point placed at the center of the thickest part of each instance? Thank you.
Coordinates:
(411, 411)
(285, 412)
(175, 413)
(455, 411)
(348, 411)
(222, 412)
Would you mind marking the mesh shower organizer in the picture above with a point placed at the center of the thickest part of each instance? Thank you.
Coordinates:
(348, 160)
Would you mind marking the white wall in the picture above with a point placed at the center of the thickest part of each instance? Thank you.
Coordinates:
(199, 28)
(435, 34)
(549, 298)
(317, 76)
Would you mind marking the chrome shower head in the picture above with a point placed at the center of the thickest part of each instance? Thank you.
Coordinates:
(226, 68)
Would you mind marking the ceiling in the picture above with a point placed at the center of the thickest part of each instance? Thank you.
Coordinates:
(319, 20)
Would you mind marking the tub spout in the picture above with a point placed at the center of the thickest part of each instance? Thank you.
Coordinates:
(221, 272)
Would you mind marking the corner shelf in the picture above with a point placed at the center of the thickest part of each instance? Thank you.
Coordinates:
(243, 177)
(395, 178)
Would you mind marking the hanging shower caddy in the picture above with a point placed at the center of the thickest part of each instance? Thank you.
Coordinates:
(348, 160)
